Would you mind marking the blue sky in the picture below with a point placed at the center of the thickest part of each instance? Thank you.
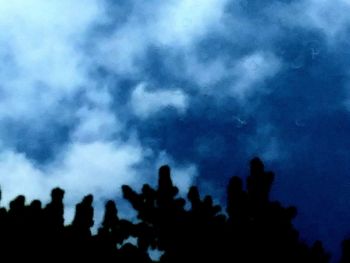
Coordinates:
(99, 93)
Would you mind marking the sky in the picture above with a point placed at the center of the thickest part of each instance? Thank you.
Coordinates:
(99, 93)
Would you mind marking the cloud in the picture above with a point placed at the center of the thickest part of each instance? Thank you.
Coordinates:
(206, 73)
(251, 71)
(180, 23)
(97, 167)
(51, 91)
(246, 75)
(18, 176)
(329, 17)
(172, 24)
(95, 124)
(148, 102)
(43, 61)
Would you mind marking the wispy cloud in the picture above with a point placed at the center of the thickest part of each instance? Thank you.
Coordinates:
(148, 102)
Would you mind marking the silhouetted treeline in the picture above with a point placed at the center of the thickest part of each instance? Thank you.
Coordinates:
(252, 229)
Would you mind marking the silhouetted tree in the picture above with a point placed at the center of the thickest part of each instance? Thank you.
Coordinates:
(54, 211)
(254, 229)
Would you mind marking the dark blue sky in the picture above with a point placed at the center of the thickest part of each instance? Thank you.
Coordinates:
(98, 93)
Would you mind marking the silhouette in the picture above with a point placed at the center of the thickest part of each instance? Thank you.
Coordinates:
(83, 219)
(54, 211)
(252, 228)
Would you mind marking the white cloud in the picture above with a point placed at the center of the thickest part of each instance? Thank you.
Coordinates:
(175, 25)
(185, 21)
(19, 175)
(45, 78)
(99, 168)
(145, 102)
(44, 64)
(178, 26)
(95, 124)
(251, 71)
(123, 52)
(42, 58)
(331, 17)
(246, 74)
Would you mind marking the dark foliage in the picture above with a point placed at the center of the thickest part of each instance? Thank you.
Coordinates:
(253, 229)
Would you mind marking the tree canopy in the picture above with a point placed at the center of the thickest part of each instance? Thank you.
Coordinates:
(253, 228)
